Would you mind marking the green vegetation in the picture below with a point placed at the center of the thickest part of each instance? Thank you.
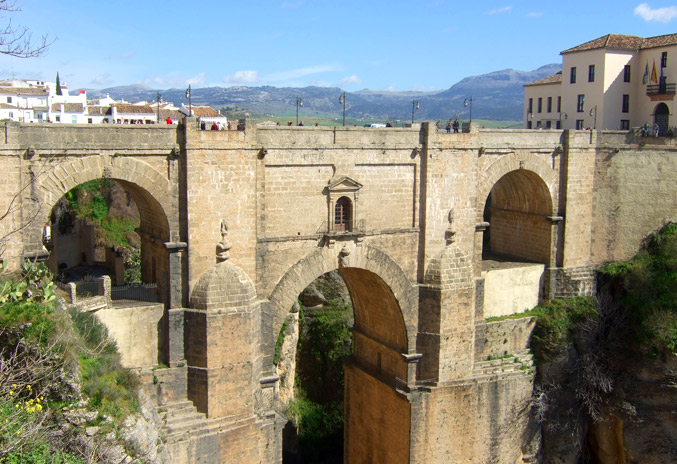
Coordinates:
(648, 283)
(114, 228)
(317, 411)
(53, 361)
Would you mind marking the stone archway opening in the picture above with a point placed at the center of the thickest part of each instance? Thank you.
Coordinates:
(363, 325)
(115, 228)
(517, 243)
(662, 118)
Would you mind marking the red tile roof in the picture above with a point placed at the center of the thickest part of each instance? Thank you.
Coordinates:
(625, 42)
(554, 79)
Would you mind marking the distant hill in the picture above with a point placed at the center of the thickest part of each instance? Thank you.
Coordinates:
(496, 96)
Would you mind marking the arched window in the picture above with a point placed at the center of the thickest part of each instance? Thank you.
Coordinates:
(662, 118)
(343, 215)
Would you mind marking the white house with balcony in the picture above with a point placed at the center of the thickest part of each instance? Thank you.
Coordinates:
(613, 82)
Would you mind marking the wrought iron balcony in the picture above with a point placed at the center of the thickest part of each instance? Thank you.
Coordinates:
(660, 89)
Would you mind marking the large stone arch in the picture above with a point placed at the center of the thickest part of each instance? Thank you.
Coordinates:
(151, 191)
(324, 260)
(513, 162)
(146, 184)
(384, 344)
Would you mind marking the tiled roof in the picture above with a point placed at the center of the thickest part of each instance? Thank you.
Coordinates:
(205, 112)
(128, 108)
(660, 41)
(23, 91)
(99, 110)
(554, 79)
(68, 107)
(5, 106)
(627, 42)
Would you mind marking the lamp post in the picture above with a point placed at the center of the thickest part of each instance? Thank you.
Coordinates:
(190, 105)
(414, 107)
(465, 104)
(299, 103)
(593, 112)
(159, 100)
(342, 99)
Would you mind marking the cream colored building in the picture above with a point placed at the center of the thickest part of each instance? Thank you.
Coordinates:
(613, 82)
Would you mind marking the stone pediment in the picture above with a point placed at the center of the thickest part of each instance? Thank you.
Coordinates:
(343, 184)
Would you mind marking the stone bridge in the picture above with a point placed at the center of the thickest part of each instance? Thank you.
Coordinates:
(235, 224)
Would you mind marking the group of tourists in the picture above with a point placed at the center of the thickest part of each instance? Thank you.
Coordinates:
(452, 125)
(645, 130)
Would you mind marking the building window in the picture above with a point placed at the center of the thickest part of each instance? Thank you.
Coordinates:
(591, 73)
(528, 124)
(626, 73)
(11, 115)
(89, 120)
(625, 124)
(540, 104)
(531, 105)
(579, 124)
(548, 124)
(343, 215)
(9, 99)
(580, 107)
(572, 80)
(58, 118)
(558, 124)
(664, 59)
(626, 103)
(559, 104)
(549, 104)
(74, 119)
(538, 124)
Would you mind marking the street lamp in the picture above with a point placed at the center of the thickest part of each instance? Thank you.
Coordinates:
(342, 99)
(414, 107)
(299, 103)
(593, 112)
(159, 100)
(465, 104)
(190, 104)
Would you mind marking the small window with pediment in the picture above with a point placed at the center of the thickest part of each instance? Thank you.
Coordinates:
(343, 215)
(342, 194)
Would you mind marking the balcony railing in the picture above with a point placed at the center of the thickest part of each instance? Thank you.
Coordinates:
(660, 89)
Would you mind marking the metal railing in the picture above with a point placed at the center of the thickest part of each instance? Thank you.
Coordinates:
(136, 292)
(661, 89)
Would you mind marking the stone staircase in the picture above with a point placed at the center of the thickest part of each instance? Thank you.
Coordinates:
(180, 419)
(519, 364)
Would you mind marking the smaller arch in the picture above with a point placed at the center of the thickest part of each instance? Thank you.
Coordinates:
(343, 215)
(662, 118)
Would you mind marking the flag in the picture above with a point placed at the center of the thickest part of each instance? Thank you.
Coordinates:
(654, 76)
(645, 77)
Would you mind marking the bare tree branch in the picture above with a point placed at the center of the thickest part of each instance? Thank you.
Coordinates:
(18, 41)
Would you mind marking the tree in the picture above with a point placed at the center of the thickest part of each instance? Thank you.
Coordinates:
(17, 40)
(58, 85)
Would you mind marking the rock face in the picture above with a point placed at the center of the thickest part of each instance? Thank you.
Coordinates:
(286, 367)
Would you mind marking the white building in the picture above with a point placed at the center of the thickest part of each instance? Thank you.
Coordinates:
(24, 101)
(613, 82)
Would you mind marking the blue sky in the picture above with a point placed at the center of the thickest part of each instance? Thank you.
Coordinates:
(381, 45)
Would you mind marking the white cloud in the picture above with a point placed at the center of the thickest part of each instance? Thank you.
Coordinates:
(170, 80)
(198, 81)
(660, 15)
(391, 88)
(302, 72)
(351, 80)
(534, 14)
(242, 78)
(505, 9)
(102, 79)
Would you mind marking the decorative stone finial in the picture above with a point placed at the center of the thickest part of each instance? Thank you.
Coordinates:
(224, 246)
(343, 257)
(450, 232)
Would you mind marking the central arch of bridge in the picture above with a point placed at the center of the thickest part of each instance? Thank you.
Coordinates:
(377, 418)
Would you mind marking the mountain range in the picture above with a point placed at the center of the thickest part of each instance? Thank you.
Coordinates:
(497, 95)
